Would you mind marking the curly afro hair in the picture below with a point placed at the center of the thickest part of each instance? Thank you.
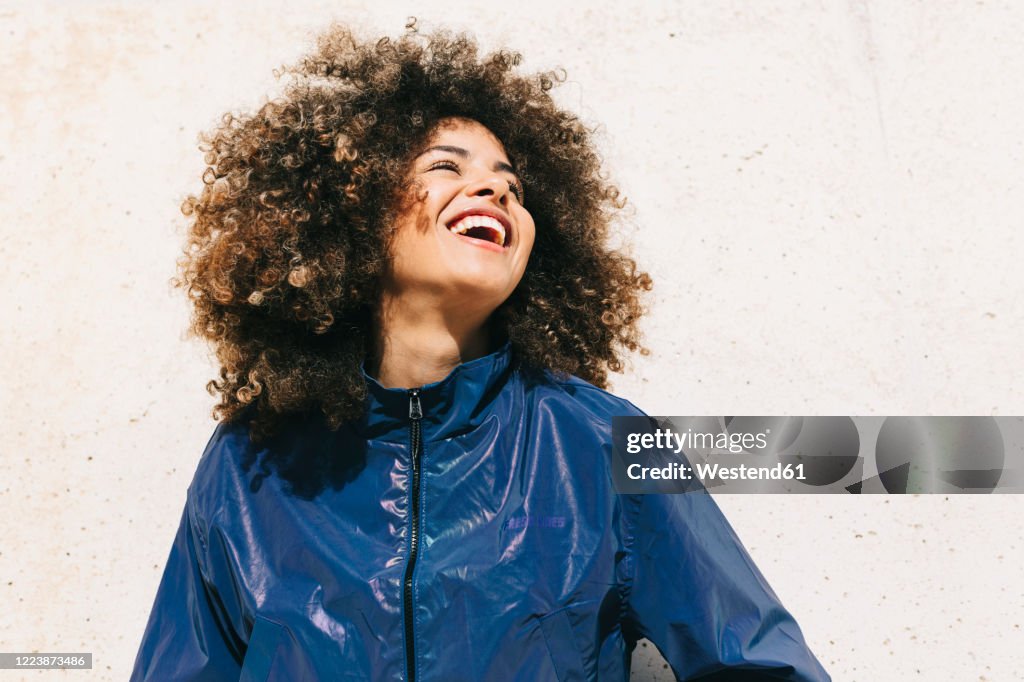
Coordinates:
(289, 236)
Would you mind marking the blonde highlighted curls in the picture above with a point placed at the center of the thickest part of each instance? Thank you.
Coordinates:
(289, 236)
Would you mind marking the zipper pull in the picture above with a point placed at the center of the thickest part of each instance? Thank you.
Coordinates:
(415, 410)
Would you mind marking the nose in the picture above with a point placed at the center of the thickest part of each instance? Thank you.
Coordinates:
(491, 186)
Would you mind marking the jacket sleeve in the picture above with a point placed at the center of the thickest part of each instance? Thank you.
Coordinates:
(189, 635)
(697, 595)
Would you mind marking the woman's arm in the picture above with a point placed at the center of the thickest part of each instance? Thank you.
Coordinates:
(697, 595)
(189, 635)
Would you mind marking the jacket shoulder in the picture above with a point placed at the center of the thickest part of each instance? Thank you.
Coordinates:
(221, 468)
(596, 402)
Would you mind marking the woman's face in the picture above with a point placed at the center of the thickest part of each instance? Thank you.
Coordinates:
(467, 235)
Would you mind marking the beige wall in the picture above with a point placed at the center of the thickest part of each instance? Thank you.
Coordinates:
(828, 195)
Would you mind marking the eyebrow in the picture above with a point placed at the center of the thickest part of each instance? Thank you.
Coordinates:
(464, 154)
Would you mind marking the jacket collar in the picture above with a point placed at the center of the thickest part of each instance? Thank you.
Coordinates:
(456, 404)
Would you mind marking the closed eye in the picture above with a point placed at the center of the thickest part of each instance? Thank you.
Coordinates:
(444, 164)
(517, 189)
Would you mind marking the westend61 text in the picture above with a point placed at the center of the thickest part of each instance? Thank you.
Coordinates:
(716, 472)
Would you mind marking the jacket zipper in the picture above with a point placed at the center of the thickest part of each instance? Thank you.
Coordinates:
(416, 442)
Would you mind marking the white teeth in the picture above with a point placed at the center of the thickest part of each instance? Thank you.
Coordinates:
(472, 221)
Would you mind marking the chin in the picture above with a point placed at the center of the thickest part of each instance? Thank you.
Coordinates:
(482, 288)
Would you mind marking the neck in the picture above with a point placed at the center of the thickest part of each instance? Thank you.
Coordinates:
(418, 345)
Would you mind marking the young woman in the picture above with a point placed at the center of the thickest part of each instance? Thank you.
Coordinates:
(402, 266)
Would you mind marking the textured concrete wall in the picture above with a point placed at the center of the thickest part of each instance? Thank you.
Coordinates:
(828, 195)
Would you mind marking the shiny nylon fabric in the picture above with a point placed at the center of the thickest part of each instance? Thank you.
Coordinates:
(530, 566)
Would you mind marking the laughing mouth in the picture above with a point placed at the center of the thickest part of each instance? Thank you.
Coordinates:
(482, 227)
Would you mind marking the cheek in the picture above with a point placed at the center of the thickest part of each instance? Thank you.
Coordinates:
(412, 222)
(423, 222)
(406, 250)
(418, 189)
(526, 245)
(529, 239)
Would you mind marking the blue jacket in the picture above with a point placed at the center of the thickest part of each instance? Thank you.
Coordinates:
(467, 530)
